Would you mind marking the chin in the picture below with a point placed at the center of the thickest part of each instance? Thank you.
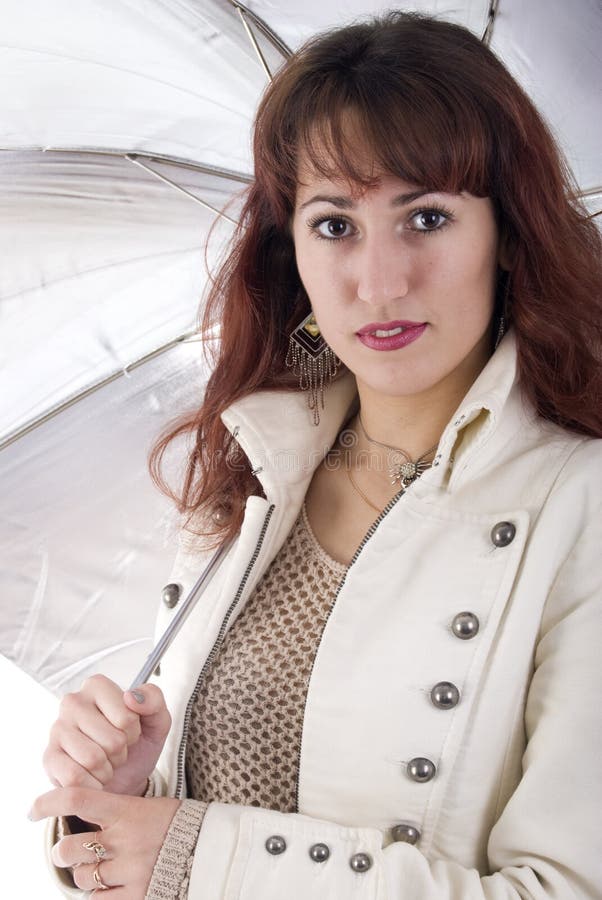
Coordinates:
(399, 386)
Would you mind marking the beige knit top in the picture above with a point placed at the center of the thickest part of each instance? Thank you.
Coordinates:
(245, 729)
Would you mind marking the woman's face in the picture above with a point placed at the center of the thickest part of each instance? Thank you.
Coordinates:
(399, 254)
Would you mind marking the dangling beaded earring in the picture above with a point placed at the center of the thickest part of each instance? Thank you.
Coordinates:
(501, 331)
(315, 360)
(503, 320)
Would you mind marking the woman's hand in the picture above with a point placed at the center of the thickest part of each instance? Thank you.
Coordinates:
(106, 738)
(131, 830)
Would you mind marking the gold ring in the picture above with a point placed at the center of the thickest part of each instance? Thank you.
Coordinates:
(97, 848)
(98, 880)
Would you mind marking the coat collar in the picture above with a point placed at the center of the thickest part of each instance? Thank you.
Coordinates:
(275, 428)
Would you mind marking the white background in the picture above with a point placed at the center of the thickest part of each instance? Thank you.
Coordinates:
(29, 711)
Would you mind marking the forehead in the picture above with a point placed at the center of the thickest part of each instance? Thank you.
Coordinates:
(326, 178)
(346, 195)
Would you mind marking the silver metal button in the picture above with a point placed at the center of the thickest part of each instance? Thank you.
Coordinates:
(319, 852)
(503, 534)
(465, 625)
(171, 594)
(406, 833)
(421, 769)
(445, 695)
(275, 844)
(360, 862)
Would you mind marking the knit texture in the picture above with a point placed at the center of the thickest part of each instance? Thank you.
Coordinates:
(245, 729)
(171, 873)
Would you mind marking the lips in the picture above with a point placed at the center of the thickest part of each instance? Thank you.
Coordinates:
(388, 326)
(391, 335)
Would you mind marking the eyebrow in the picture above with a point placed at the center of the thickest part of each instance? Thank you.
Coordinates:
(347, 203)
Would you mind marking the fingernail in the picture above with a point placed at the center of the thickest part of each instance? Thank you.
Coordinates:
(139, 696)
(30, 816)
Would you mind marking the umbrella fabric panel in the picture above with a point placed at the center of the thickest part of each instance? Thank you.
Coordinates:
(554, 52)
(87, 540)
(174, 78)
(107, 263)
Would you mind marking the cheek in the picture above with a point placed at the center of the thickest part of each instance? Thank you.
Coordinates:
(307, 263)
(321, 279)
(471, 270)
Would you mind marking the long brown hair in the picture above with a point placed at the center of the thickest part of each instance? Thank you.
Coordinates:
(435, 107)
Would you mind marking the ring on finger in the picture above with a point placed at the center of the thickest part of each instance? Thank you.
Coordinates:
(98, 880)
(97, 848)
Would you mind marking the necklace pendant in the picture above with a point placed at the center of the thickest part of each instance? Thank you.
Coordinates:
(405, 473)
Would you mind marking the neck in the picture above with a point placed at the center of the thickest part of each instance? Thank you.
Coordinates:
(411, 423)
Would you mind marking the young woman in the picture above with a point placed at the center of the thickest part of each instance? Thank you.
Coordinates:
(390, 687)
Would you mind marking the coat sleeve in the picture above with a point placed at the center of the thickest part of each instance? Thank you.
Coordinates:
(546, 842)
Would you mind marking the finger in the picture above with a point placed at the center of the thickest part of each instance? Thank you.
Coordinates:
(89, 805)
(111, 873)
(88, 754)
(79, 713)
(148, 701)
(108, 697)
(71, 850)
(63, 771)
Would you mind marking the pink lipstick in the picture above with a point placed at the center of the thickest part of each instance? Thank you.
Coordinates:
(390, 335)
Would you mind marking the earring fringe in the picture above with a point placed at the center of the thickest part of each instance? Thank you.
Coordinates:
(315, 361)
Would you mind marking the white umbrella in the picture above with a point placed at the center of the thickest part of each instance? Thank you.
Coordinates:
(103, 269)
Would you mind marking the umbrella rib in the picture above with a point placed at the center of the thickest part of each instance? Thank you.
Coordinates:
(133, 158)
(590, 192)
(71, 401)
(206, 169)
(491, 14)
(256, 46)
(262, 26)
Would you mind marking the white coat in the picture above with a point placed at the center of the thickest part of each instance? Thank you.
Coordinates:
(510, 805)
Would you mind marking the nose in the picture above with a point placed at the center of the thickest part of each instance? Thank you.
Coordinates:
(382, 271)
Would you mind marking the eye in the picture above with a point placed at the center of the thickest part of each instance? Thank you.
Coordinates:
(431, 220)
(330, 228)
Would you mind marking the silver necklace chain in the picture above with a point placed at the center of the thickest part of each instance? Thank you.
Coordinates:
(402, 468)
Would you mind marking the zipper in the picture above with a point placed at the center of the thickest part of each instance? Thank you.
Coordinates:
(217, 644)
(365, 540)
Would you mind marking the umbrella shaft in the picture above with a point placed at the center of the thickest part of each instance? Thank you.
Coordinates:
(180, 617)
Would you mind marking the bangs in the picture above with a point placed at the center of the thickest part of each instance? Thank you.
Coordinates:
(417, 138)
(418, 129)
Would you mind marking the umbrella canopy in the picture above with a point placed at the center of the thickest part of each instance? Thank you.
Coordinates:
(125, 125)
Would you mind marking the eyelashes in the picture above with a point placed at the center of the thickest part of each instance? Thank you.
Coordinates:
(437, 210)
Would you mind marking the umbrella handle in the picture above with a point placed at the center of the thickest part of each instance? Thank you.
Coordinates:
(180, 617)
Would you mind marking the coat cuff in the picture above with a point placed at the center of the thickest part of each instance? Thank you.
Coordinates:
(231, 853)
(156, 786)
(171, 873)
